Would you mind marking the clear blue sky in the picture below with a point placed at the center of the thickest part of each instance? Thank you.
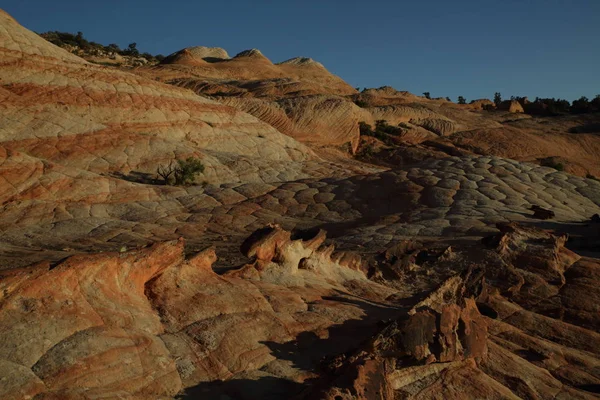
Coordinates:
(546, 48)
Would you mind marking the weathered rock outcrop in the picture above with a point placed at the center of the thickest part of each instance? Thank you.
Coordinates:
(255, 54)
(499, 350)
(251, 65)
(512, 106)
(504, 314)
(149, 322)
(100, 120)
(410, 303)
(482, 104)
(317, 120)
(197, 55)
(302, 61)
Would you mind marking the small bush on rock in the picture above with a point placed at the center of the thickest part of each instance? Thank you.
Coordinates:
(366, 151)
(381, 125)
(382, 131)
(182, 173)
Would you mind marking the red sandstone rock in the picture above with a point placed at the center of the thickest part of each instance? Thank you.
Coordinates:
(513, 317)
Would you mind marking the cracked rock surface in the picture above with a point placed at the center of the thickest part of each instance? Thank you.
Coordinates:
(290, 269)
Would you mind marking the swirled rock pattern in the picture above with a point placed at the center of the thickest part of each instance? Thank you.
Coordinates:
(289, 269)
(62, 110)
(450, 198)
(302, 320)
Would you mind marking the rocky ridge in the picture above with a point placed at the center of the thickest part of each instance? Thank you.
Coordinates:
(488, 318)
(290, 269)
(302, 99)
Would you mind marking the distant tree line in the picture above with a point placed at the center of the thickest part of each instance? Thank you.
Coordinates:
(545, 106)
(63, 39)
(553, 106)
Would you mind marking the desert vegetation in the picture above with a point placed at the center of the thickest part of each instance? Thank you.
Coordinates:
(78, 41)
(554, 106)
(382, 131)
(234, 290)
(497, 98)
(181, 172)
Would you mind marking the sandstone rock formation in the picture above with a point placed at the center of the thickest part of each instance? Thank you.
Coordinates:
(96, 107)
(251, 83)
(289, 269)
(197, 55)
(512, 106)
(165, 324)
(149, 322)
(302, 61)
(255, 54)
(482, 104)
(250, 75)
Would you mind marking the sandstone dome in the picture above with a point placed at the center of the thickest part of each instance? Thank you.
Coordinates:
(435, 282)
(302, 62)
(208, 52)
(253, 54)
(197, 54)
(17, 40)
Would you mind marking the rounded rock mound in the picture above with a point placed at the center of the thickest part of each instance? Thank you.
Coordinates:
(302, 62)
(197, 55)
(254, 54)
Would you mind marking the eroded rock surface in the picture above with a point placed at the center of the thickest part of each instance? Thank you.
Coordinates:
(289, 269)
(305, 319)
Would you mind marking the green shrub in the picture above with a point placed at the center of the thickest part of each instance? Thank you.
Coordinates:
(112, 48)
(365, 129)
(462, 100)
(187, 170)
(131, 50)
(581, 106)
(366, 151)
(548, 106)
(382, 126)
(382, 131)
(182, 173)
(63, 39)
(497, 98)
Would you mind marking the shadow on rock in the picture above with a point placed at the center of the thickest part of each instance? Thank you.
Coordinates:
(266, 388)
(139, 177)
